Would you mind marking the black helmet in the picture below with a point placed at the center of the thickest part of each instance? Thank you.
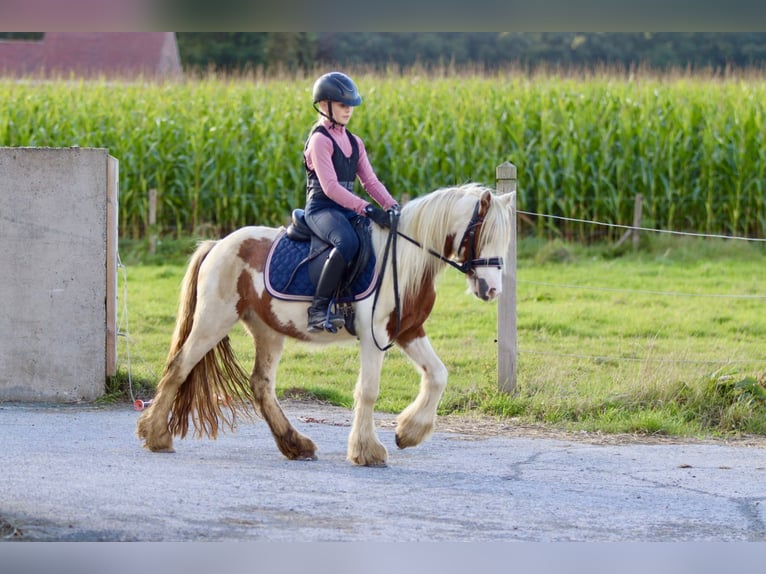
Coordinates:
(336, 87)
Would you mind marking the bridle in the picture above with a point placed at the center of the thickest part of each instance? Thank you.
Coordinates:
(467, 266)
(469, 240)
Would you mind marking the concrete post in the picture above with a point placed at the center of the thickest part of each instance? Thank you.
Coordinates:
(58, 232)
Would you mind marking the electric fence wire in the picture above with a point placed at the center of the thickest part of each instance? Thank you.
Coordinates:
(647, 229)
(123, 329)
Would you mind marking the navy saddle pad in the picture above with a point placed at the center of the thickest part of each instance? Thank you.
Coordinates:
(288, 277)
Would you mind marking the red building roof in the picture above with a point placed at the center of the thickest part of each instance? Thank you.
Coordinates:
(92, 54)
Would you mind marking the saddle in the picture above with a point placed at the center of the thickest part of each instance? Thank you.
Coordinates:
(296, 258)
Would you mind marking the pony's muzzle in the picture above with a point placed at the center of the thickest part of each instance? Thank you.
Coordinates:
(485, 292)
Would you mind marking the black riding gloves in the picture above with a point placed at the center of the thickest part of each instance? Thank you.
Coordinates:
(377, 215)
(393, 216)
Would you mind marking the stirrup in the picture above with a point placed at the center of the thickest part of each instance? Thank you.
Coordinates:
(330, 323)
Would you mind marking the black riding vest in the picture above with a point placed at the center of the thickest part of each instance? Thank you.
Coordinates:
(345, 167)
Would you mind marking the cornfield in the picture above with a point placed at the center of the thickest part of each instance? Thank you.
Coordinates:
(226, 152)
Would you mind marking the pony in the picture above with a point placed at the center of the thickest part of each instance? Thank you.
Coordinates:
(467, 227)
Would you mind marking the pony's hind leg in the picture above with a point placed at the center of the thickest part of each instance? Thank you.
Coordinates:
(268, 351)
(152, 426)
(416, 423)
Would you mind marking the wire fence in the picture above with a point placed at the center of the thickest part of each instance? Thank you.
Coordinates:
(637, 229)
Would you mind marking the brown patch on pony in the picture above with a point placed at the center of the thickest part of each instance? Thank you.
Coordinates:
(249, 300)
(448, 242)
(484, 203)
(254, 252)
(416, 308)
(247, 295)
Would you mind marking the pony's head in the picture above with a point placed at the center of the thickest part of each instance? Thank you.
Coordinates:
(468, 225)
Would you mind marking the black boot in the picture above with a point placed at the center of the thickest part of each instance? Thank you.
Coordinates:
(320, 316)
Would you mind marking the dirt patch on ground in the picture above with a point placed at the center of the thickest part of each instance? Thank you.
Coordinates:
(318, 412)
(488, 426)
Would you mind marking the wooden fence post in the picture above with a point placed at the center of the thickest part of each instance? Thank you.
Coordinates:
(637, 208)
(152, 221)
(633, 231)
(506, 309)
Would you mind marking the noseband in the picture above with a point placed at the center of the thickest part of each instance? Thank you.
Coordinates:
(467, 266)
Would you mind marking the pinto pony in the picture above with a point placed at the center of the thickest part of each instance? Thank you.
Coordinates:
(467, 227)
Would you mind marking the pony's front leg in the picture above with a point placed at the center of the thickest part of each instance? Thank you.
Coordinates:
(364, 448)
(416, 423)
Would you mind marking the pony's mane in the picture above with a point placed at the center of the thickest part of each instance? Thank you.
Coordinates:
(429, 219)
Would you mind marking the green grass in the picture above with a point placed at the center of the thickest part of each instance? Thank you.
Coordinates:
(616, 356)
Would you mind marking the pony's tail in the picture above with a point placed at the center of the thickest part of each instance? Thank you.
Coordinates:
(187, 303)
(216, 381)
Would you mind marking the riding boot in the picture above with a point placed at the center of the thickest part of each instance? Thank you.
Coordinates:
(320, 316)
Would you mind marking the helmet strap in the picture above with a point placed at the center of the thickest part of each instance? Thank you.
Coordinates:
(328, 116)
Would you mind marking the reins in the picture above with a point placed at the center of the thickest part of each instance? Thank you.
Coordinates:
(465, 267)
(393, 233)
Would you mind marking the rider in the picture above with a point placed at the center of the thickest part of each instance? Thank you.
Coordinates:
(334, 158)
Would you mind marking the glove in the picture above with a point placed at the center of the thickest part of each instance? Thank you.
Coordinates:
(377, 215)
(393, 215)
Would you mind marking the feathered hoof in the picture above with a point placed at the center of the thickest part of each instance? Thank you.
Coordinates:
(168, 449)
(374, 456)
(306, 458)
(154, 441)
(296, 446)
(409, 434)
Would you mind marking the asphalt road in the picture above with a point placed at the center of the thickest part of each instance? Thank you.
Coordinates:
(79, 473)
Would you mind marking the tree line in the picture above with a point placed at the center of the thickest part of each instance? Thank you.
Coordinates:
(238, 51)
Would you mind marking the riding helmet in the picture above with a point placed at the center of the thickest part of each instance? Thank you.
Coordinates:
(336, 87)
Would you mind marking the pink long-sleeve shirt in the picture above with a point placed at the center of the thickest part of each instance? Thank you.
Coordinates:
(318, 156)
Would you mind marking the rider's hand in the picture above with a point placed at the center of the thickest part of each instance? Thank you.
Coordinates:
(377, 215)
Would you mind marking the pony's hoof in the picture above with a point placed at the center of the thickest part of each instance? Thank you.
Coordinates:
(168, 449)
(403, 442)
(370, 460)
(409, 434)
(295, 446)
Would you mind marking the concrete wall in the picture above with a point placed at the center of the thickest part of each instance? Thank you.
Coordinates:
(58, 235)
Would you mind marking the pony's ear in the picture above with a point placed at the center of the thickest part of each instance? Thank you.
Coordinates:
(505, 199)
(484, 201)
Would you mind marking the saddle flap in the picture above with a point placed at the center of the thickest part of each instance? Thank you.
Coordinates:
(292, 267)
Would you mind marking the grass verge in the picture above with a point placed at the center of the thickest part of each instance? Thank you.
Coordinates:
(663, 340)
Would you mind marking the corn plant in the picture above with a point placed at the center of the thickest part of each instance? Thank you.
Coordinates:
(227, 152)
